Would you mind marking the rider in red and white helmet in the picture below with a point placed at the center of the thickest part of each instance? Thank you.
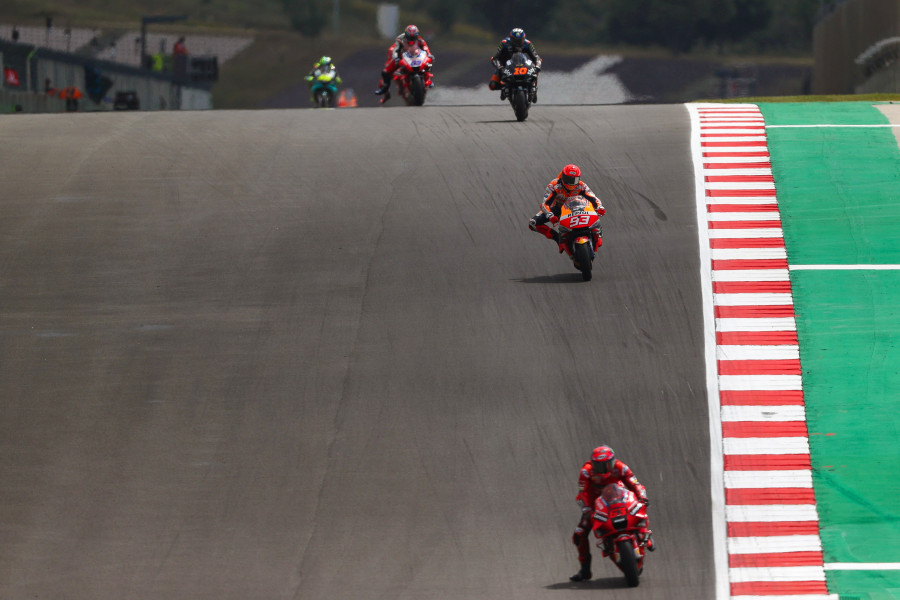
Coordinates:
(409, 37)
(567, 184)
(603, 468)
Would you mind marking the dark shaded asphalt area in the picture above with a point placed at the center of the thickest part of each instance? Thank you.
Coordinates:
(263, 354)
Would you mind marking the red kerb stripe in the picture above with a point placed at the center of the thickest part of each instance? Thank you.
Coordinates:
(776, 559)
(716, 208)
(751, 263)
(738, 193)
(746, 243)
(752, 287)
(770, 528)
(737, 165)
(761, 398)
(740, 178)
(733, 144)
(759, 367)
(766, 462)
(755, 311)
(744, 224)
(763, 429)
(777, 588)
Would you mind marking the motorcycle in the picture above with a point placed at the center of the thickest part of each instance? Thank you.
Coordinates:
(518, 79)
(324, 88)
(620, 522)
(579, 231)
(413, 76)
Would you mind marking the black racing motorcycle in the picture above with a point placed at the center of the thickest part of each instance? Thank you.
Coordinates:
(518, 80)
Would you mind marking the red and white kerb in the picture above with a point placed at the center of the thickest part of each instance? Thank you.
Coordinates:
(772, 548)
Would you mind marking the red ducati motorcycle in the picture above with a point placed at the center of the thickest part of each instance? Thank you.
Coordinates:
(413, 77)
(620, 523)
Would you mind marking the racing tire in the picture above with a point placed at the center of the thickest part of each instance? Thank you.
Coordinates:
(628, 562)
(417, 89)
(323, 100)
(582, 255)
(520, 104)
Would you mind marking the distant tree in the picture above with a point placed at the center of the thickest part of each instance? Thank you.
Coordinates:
(734, 20)
(577, 21)
(670, 23)
(309, 17)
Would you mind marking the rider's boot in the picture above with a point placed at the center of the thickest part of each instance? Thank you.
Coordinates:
(584, 573)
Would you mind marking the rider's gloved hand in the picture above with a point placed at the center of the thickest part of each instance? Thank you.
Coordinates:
(645, 501)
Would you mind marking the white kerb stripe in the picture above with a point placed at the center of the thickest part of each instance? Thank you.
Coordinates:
(767, 414)
(749, 233)
(732, 148)
(774, 543)
(762, 299)
(768, 479)
(737, 159)
(740, 185)
(732, 138)
(751, 275)
(760, 383)
(745, 200)
(748, 574)
(771, 513)
(757, 324)
(748, 253)
(739, 171)
(775, 445)
(748, 129)
(785, 352)
(744, 216)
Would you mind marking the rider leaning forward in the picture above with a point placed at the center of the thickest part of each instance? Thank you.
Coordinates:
(410, 37)
(567, 184)
(514, 42)
(603, 468)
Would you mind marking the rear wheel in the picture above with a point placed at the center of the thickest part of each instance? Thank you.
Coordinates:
(520, 104)
(417, 89)
(628, 562)
(582, 256)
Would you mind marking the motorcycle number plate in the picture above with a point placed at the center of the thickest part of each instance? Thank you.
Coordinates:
(578, 220)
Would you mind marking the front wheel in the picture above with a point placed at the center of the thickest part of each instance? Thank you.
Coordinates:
(582, 256)
(417, 89)
(323, 99)
(520, 104)
(628, 562)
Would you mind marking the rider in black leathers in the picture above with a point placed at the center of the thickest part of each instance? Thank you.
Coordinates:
(514, 42)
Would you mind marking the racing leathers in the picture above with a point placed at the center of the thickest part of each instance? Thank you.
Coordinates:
(319, 69)
(393, 61)
(504, 51)
(555, 196)
(590, 486)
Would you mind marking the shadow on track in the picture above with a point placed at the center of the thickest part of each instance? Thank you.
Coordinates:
(558, 278)
(605, 583)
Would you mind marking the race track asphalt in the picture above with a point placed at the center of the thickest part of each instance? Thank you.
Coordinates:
(297, 354)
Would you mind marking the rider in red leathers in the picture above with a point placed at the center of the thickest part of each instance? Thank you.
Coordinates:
(567, 184)
(601, 470)
(409, 37)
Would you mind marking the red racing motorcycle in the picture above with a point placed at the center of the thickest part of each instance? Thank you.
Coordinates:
(413, 76)
(620, 522)
(580, 233)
